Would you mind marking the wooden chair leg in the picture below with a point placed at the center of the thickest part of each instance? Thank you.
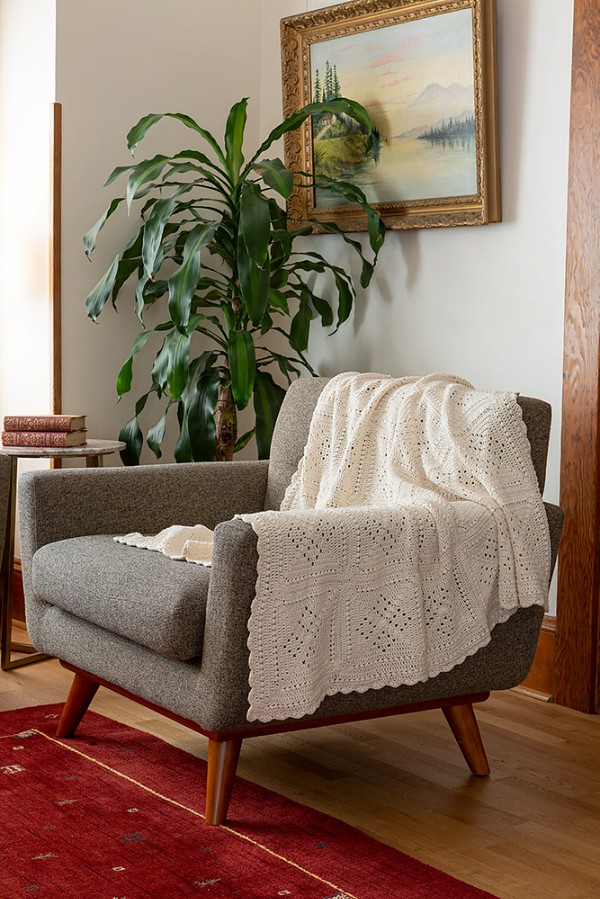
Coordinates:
(82, 691)
(463, 725)
(222, 763)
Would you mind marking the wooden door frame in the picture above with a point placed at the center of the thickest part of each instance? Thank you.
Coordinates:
(576, 660)
(55, 258)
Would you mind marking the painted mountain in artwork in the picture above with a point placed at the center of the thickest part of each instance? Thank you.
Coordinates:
(434, 105)
(450, 100)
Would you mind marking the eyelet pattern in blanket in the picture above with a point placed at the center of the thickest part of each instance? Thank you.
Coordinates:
(413, 525)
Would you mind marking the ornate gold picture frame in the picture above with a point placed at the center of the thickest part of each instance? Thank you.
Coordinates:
(426, 72)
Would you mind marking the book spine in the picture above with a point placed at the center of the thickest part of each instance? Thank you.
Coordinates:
(40, 438)
(39, 423)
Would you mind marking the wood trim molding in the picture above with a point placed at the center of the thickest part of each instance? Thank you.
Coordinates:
(56, 265)
(539, 683)
(55, 257)
(576, 672)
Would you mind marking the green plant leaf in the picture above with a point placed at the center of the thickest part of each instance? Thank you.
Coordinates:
(367, 267)
(345, 299)
(242, 365)
(131, 434)
(244, 440)
(96, 300)
(323, 309)
(266, 324)
(156, 434)
(300, 329)
(129, 263)
(200, 417)
(124, 377)
(183, 283)
(376, 228)
(178, 363)
(234, 138)
(171, 365)
(275, 175)
(278, 300)
(116, 172)
(89, 240)
(143, 172)
(154, 229)
(228, 317)
(351, 192)
(254, 284)
(255, 223)
(279, 278)
(183, 447)
(268, 397)
(139, 130)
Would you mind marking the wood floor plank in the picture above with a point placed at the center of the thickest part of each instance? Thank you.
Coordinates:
(529, 831)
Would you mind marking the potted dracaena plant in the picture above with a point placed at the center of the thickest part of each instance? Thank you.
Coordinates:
(216, 246)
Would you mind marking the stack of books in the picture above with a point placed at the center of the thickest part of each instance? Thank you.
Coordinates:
(54, 431)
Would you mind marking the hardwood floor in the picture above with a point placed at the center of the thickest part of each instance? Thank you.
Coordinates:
(530, 830)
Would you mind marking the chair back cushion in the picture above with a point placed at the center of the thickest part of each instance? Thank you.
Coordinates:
(291, 433)
(290, 436)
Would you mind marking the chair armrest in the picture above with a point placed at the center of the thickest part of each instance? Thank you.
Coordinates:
(56, 505)
(225, 656)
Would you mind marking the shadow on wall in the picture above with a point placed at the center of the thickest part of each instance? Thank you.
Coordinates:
(513, 40)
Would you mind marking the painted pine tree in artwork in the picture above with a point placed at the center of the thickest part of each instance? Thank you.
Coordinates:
(330, 88)
(337, 91)
(317, 97)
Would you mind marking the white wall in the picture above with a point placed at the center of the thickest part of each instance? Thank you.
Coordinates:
(26, 92)
(118, 60)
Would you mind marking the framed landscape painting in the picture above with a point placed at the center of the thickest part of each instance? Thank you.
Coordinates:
(426, 72)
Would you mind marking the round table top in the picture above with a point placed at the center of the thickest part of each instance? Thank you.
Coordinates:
(90, 448)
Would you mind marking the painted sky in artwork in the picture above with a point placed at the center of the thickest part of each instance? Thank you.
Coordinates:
(391, 70)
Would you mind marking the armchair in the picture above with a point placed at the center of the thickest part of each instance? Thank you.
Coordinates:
(173, 635)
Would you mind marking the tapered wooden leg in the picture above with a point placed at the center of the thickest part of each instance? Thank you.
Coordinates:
(222, 763)
(463, 725)
(82, 691)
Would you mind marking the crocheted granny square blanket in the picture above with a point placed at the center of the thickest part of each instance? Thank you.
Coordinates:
(413, 525)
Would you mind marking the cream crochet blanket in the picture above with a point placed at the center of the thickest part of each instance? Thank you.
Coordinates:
(413, 525)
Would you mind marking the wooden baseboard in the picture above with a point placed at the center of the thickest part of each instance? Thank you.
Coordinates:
(539, 683)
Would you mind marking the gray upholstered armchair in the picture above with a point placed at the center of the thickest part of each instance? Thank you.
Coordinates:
(174, 635)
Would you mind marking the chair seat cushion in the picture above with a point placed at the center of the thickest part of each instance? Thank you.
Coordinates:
(135, 593)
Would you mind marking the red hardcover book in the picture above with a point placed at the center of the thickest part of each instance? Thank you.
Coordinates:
(44, 422)
(52, 439)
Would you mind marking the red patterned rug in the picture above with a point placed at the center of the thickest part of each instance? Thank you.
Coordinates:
(117, 814)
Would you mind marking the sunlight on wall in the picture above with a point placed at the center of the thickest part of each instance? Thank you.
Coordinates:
(26, 91)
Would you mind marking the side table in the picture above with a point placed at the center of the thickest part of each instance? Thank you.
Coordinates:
(93, 452)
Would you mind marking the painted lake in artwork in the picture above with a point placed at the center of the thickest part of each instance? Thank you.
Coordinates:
(416, 80)
(413, 169)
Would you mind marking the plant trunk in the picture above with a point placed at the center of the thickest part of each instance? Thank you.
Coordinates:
(226, 424)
